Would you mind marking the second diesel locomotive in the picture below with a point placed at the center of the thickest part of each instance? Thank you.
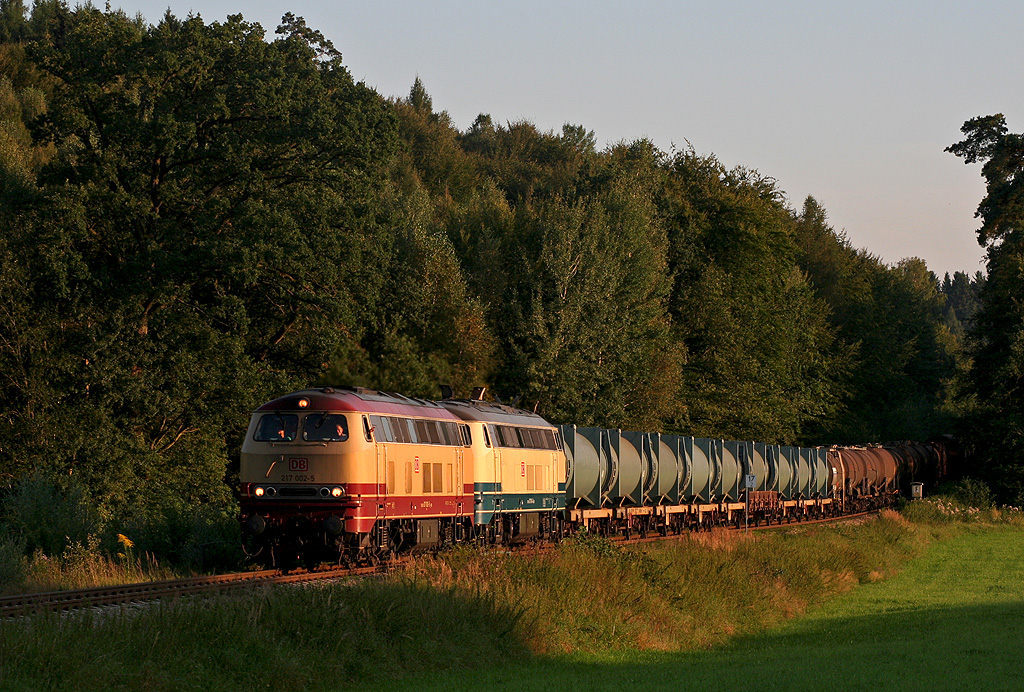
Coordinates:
(352, 474)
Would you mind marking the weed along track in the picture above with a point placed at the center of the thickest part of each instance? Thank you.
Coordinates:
(78, 599)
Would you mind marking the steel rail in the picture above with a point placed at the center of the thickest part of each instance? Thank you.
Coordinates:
(75, 599)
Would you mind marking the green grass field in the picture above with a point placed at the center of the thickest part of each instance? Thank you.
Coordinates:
(931, 599)
(953, 619)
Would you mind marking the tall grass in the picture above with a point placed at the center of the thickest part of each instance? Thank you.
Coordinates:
(52, 536)
(285, 638)
(85, 566)
(590, 595)
(463, 608)
(966, 502)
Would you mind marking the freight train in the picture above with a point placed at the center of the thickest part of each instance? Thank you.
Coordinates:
(353, 475)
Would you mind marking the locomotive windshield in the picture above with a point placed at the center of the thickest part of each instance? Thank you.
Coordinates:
(325, 427)
(277, 427)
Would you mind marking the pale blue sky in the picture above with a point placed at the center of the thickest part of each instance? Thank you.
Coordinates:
(852, 102)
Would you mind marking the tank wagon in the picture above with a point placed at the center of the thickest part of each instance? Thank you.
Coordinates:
(353, 474)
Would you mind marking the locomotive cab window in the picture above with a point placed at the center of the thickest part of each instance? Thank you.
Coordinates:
(277, 427)
(325, 427)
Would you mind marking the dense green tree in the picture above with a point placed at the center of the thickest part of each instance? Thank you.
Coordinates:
(903, 356)
(963, 300)
(14, 26)
(433, 157)
(429, 328)
(564, 254)
(997, 373)
(206, 235)
(762, 362)
(584, 326)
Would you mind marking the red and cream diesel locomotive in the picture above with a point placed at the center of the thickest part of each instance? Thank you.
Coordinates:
(351, 474)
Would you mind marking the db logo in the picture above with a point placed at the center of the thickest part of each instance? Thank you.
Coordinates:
(298, 464)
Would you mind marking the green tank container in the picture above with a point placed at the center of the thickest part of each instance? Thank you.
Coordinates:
(787, 457)
(664, 470)
(760, 466)
(704, 469)
(627, 488)
(608, 465)
(822, 473)
(649, 459)
(804, 472)
(732, 455)
(583, 469)
(674, 446)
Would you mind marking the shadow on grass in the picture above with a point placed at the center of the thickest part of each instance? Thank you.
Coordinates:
(285, 638)
(970, 648)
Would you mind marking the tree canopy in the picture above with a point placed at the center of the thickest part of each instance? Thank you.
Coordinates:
(200, 216)
(996, 426)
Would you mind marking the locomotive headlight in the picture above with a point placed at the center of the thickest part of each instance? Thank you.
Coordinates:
(271, 491)
(324, 492)
(337, 492)
(258, 491)
(303, 403)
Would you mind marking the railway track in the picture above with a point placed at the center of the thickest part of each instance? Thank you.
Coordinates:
(79, 599)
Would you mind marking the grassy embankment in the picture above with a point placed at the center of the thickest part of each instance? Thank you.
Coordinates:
(54, 537)
(587, 612)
